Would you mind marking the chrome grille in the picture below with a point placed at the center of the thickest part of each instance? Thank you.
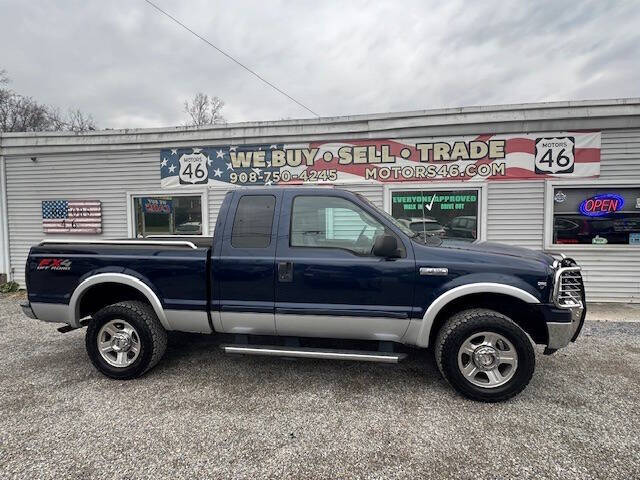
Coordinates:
(568, 289)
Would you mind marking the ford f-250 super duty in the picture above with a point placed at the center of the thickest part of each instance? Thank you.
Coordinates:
(313, 262)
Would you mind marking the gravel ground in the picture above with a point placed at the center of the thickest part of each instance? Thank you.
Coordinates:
(201, 414)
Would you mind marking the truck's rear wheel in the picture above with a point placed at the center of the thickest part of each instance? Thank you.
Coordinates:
(125, 339)
(484, 355)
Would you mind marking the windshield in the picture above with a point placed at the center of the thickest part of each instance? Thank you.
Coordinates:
(428, 240)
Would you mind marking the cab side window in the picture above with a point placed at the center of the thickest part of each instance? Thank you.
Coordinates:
(253, 222)
(333, 222)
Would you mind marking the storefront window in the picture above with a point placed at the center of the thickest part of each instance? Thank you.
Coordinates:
(168, 215)
(448, 214)
(596, 216)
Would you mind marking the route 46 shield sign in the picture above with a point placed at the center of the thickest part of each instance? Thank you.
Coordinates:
(555, 155)
(193, 169)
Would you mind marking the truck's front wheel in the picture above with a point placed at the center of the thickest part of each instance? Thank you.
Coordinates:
(484, 355)
(125, 339)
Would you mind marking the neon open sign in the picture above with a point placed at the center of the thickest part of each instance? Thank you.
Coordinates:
(601, 205)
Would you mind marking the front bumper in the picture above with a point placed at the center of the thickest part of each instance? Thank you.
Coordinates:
(27, 310)
(560, 334)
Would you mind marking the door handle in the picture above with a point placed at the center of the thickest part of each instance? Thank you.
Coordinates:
(285, 271)
(435, 271)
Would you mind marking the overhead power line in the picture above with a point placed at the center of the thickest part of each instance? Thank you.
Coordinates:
(231, 58)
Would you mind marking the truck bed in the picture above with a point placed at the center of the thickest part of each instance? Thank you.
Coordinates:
(177, 268)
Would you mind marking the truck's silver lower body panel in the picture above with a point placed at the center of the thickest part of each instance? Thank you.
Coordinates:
(194, 321)
(27, 310)
(248, 323)
(338, 326)
(51, 312)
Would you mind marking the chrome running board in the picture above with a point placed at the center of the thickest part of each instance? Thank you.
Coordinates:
(298, 352)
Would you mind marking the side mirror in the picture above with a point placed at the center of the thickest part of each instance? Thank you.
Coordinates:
(386, 246)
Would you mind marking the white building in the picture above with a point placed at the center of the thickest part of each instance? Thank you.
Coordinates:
(562, 177)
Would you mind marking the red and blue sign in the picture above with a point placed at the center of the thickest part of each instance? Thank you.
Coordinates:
(601, 205)
(156, 205)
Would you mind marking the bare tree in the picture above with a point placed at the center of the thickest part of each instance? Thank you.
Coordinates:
(203, 110)
(73, 121)
(19, 113)
(22, 114)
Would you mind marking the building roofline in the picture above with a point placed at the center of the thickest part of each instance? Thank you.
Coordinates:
(616, 113)
(343, 118)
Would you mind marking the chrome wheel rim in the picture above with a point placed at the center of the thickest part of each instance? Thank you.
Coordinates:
(118, 343)
(487, 359)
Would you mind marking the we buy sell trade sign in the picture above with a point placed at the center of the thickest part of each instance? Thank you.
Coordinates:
(491, 157)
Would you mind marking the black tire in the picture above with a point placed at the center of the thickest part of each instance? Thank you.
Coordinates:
(464, 325)
(152, 338)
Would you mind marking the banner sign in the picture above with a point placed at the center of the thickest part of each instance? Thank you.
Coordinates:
(156, 205)
(72, 216)
(465, 158)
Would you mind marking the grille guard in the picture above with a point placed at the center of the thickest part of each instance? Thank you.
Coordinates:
(568, 289)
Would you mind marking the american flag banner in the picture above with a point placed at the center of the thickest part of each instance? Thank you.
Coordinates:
(490, 157)
(72, 216)
(219, 166)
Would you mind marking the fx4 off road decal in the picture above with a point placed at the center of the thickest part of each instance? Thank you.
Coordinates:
(58, 264)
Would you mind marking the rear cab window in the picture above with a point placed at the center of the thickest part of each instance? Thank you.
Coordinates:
(253, 222)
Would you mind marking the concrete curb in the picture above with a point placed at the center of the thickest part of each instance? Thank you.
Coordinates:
(613, 312)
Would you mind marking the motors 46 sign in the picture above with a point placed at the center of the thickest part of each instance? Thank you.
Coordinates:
(193, 168)
(555, 155)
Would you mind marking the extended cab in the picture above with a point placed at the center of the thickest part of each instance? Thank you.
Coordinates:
(313, 262)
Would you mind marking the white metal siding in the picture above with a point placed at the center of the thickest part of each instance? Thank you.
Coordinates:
(610, 276)
(516, 216)
(216, 196)
(613, 275)
(371, 191)
(515, 210)
(3, 250)
(346, 224)
(515, 213)
(620, 155)
(104, 177)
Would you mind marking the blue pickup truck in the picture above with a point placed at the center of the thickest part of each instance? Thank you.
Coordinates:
(286, 266)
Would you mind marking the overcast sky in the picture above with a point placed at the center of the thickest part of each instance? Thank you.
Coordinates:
(129, 66)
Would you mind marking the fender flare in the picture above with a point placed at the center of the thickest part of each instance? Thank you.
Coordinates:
(123, 279)
(461, 291)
